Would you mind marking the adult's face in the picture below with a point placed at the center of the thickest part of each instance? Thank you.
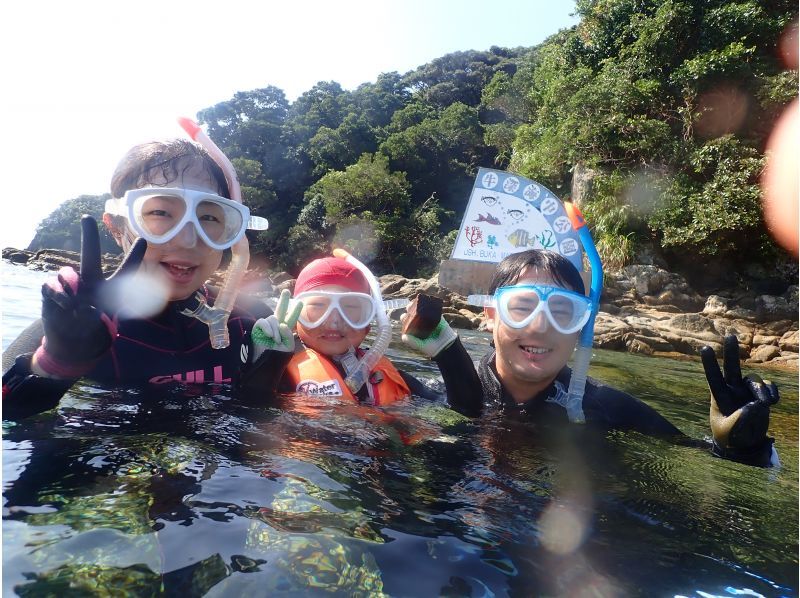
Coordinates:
(528, 359)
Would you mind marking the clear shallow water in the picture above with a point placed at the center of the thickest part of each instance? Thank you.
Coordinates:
(124, 494)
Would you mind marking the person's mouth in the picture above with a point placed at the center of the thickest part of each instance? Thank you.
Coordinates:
(331, 336)
(179, 272)
(535, 353)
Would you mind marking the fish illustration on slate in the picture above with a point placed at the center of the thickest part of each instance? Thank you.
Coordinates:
(489, 219)
(521, 238)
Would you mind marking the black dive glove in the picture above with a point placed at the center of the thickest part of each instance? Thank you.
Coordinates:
(77, 331)
(739, 407)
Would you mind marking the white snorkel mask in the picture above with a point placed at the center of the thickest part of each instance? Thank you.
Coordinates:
(160, 214)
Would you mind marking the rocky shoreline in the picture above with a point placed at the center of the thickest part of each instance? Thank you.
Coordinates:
(644, 309)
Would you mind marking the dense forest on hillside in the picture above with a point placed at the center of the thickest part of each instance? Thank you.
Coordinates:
(660, 109)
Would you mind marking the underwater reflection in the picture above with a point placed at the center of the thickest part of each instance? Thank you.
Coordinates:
(179, 493)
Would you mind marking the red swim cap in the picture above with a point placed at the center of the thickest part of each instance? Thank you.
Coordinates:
(331, 270)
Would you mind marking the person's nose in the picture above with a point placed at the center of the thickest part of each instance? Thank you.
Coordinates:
(539, 323)
(334, 321)
(187, 237)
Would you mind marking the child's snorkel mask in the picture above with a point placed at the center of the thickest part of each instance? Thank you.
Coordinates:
(358, 375)
(356, 310)
(160, 214)
(216, 317)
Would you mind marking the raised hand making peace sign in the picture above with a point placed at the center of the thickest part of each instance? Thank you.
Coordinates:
(276, 331)
(739, 406)
(77, 327)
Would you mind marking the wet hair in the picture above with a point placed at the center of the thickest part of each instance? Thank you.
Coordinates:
(549, 263)
(157, 161)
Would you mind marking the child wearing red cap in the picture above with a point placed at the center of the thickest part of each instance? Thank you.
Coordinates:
(332, 308)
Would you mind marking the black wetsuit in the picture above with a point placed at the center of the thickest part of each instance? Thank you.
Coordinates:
(166, 349)
(605, 408)
(603, 405)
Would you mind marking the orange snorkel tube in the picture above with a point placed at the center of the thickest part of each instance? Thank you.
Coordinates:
(216, 317)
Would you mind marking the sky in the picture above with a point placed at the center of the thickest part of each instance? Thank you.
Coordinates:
(84, 81)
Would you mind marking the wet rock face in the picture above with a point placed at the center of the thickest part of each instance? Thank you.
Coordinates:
(16, 256)
(54, 259)
(764, 353)
(788, 342)
(782, 307)
(656, 310)
(280, 277)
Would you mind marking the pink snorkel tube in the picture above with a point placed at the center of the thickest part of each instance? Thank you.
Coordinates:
(216, 317)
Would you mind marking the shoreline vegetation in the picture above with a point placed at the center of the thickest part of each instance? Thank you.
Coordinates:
(644, 309)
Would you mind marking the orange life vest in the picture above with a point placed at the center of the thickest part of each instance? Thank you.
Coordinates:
(311, 373)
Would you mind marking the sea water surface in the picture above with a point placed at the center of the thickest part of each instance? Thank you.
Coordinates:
(190, 493)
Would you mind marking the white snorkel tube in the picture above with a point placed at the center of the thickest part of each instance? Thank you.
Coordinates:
(359, 376)
(216, 317)
(583, 353)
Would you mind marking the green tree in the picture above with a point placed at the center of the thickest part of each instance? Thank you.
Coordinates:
(333, 149)
(458, 77)
(368, 209)
(62, 228)
(249, 121)
(715, 209)
(631, 91)
(502, 110)
(440, 155)
(377, 102)
(324, 105)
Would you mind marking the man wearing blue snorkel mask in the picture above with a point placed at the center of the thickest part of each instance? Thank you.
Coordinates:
(535, 314)
(173, 213)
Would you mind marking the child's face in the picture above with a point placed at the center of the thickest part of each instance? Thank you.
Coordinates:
(334, 336)
(184, 263)
(529, 357)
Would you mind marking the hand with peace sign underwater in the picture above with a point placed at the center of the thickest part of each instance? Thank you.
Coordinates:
(740, 407)
(77, 328)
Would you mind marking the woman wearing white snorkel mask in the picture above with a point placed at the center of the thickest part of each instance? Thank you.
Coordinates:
(172, 214)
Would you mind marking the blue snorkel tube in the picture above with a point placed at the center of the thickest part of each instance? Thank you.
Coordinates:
(583, 353)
